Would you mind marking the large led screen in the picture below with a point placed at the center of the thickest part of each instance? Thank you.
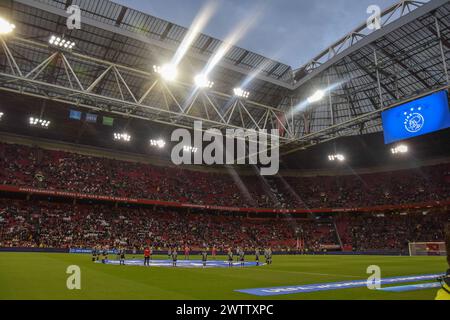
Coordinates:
(416, 118)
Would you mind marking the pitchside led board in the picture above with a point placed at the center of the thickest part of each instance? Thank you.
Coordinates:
(416, 118)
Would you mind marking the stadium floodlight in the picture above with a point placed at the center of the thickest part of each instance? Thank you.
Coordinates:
(36, 122)
(336, 157)
(61, 43)
(190, 149)
(201, 81)
(400, 149)
(6, 27)
(125, 137)
(241, 93)
(317, 96)
(158, 143)
(168, 71)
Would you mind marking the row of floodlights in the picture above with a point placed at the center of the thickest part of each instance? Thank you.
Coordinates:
(400, 149)
(61, 43)
(156, 143)
(122, 137)
(36, 122)
(336, 157)
(239, 92)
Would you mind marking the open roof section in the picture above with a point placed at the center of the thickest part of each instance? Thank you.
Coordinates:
(331, 54)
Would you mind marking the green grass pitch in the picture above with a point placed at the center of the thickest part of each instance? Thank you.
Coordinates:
(43, 276)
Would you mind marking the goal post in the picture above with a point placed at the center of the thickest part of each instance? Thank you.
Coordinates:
(427, 249)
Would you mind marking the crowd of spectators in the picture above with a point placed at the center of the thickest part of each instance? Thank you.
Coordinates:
(39, 224)
(64, 171)
(58, 225)
(380, 231)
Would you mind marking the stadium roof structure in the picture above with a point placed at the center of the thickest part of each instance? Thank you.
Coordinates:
(368, 71)
(111, 71)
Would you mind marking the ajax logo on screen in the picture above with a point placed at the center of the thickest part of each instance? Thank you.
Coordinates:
(414, 120)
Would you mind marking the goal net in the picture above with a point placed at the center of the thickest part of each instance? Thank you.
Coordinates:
(427, 249)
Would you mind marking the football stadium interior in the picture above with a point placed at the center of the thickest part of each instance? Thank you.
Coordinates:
(87, 176)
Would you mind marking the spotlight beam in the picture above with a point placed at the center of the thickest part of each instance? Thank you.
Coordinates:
(316, 97)
(233, 38)
(199, 23)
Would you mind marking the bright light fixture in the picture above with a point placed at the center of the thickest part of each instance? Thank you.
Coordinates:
(39, 122)
(168, 71)
(336, 157)
(1, 115)
(158, 143)
(202, 81)
(6, 27)
(241, 93)
(62, 43)
(402, 149)
(122, 137)
(317, 96)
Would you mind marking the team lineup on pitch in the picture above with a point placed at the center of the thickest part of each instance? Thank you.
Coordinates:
(182, 263)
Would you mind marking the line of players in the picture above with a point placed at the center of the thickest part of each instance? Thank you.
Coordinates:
(240, 254)
(172, 253)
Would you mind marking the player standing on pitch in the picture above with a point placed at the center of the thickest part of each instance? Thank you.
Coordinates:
(242, 257)
(117, 251)
(204, 257)
(444, 293)
(269, 255)
(230, 257)
(105, 255)
(94, 255)
(98, 251)
(122, 256)
(134, 252)
(214, 252)
(147, 257)
(174, 257)
(186, 252)
(257, 254)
